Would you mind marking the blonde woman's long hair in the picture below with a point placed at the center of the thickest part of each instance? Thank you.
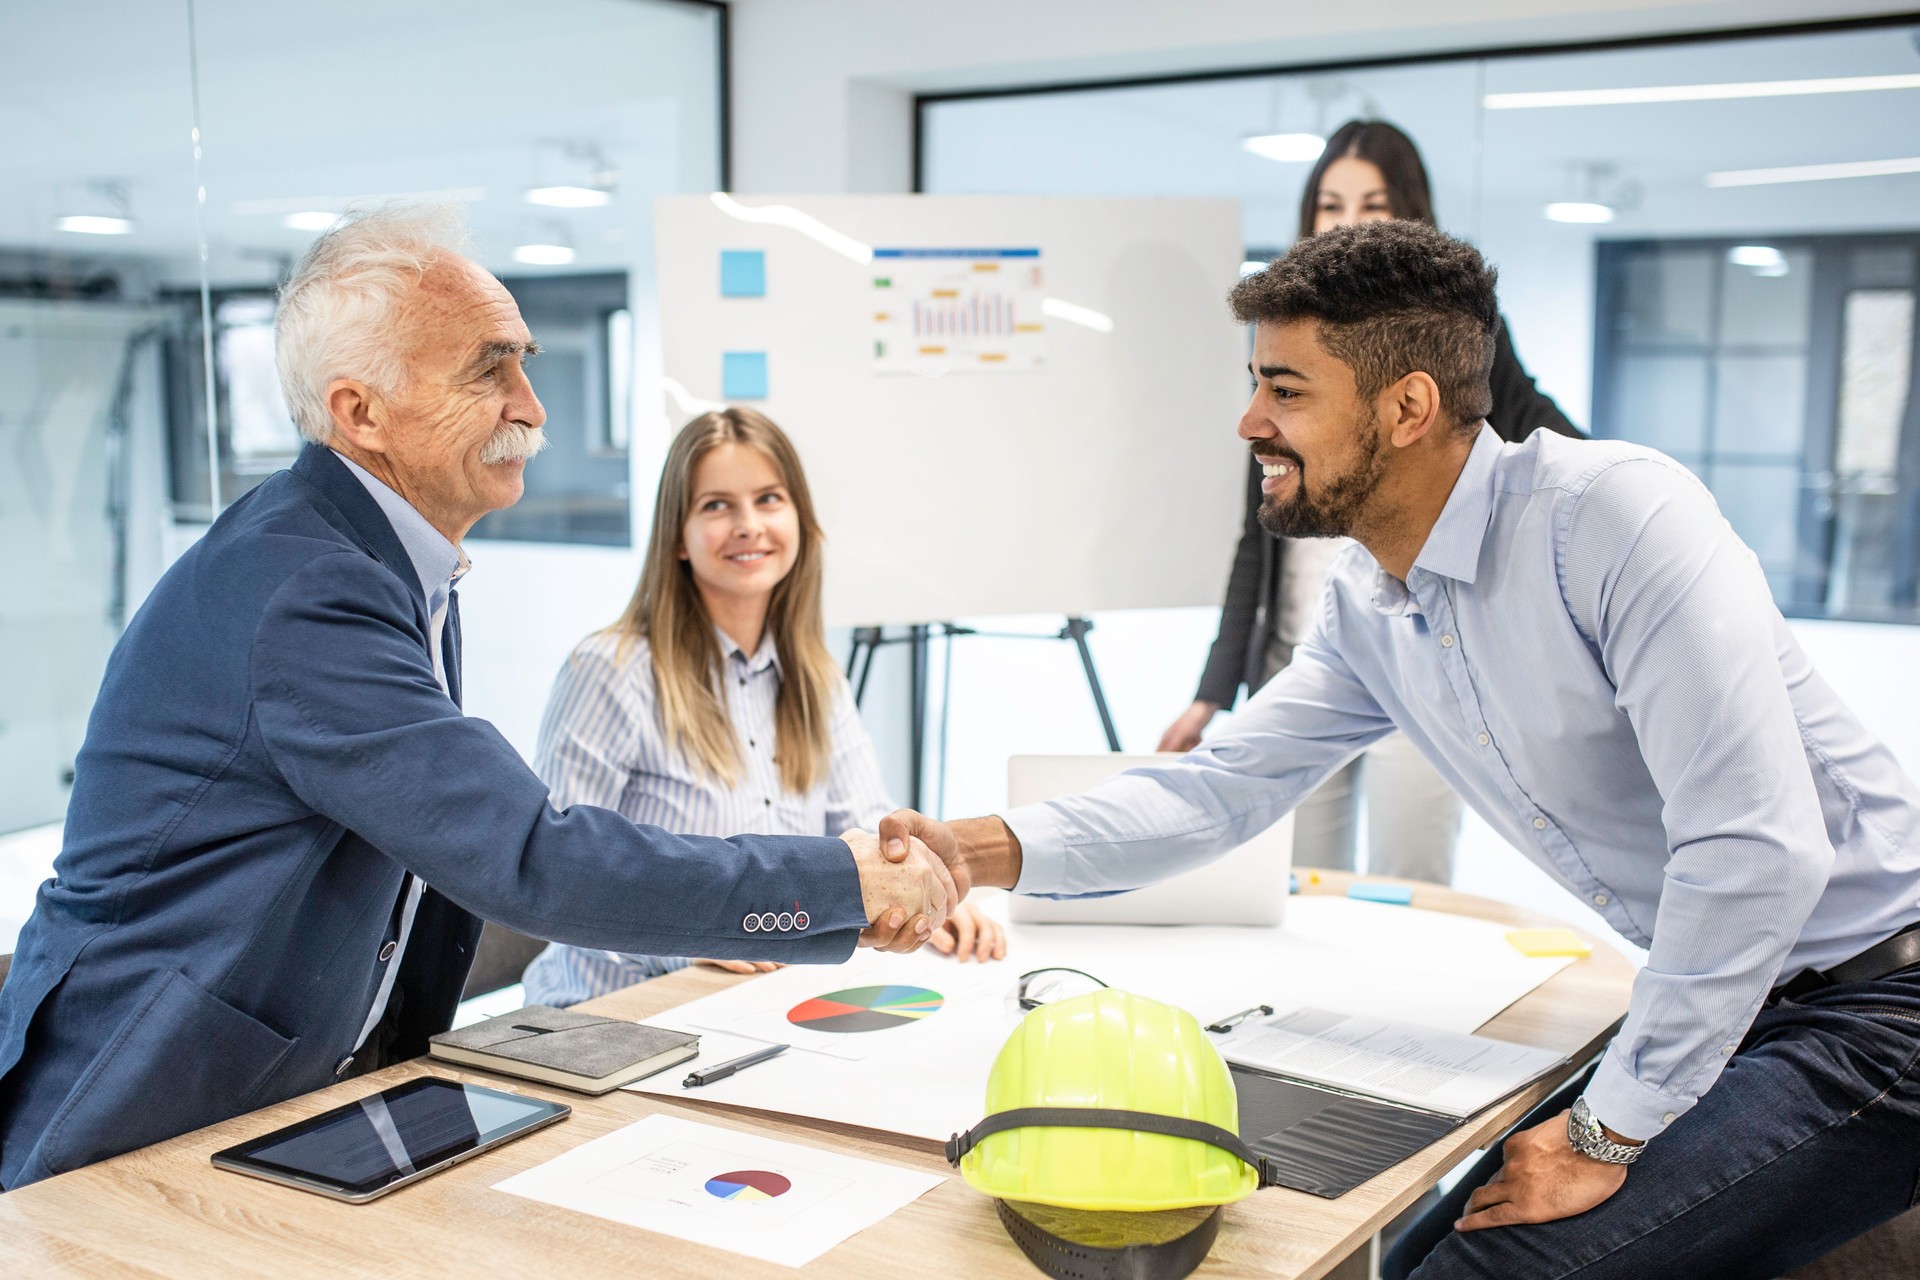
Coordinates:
(667, 609)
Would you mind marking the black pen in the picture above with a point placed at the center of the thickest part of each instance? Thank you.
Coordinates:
(720, 1072)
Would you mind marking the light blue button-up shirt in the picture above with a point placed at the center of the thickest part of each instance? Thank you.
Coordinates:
(601, 743)
(1591, 657)
(439, 565)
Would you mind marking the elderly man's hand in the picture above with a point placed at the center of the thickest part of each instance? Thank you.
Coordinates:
(906, 899)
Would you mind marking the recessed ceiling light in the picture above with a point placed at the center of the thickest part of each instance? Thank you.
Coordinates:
(1579, 211)
(93, 224)
(569, 197)
(310, 220)
(1813, 172)
(544, 255)
(1695, 92)
(1286, 147)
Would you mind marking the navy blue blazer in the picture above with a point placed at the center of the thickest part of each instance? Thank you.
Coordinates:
(268, 756)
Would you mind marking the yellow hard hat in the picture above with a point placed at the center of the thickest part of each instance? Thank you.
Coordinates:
(1109, 1101)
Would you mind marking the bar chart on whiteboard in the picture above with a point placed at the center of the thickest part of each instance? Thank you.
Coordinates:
(958, 310)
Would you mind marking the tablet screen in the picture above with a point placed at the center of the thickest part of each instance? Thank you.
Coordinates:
(393, 1134)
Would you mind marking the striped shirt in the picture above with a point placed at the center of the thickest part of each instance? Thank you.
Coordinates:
(1591, 657)
(601, 744)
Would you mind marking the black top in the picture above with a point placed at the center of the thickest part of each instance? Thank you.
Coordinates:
(1251, 611)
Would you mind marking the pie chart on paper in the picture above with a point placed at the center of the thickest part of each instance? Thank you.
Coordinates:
(866, 1009)
(747, 1185)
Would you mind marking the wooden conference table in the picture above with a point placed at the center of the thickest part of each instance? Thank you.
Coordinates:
(165, 1211)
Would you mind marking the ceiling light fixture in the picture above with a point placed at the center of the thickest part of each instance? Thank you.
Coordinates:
(544, 255)
(565, 197)
(1579, 211)
(102, 209)
(310, 220)
(1599, 194)
(1288, 148)
(1695, 92)
(1814, 172)
(94, 224)
(572, 175)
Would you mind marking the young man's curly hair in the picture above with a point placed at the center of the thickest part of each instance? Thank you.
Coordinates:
(1391, 298)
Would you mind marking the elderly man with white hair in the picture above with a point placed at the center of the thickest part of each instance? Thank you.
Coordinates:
(283, 832)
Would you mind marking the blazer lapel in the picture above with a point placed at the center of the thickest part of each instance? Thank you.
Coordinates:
(318, 466)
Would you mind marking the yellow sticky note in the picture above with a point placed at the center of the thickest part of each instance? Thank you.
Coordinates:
(1548, 942)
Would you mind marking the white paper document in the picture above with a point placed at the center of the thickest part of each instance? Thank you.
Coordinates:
(904, 1043)
(770, 1200)
(1421, 1067)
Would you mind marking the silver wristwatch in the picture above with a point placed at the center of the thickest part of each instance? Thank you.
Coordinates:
(1589, 1139)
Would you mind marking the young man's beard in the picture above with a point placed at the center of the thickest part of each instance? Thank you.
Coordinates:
(1332, 512)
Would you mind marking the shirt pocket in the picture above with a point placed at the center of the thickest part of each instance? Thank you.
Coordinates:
(183, 1060)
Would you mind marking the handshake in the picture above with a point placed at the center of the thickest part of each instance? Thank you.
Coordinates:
(914, 871)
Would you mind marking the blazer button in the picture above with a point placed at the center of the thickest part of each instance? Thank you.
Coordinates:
(786, 921)
(800, 920)
(340, 1067)
(386, 952)
(751, 922)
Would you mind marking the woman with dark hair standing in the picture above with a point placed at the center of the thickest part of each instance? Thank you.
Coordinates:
(1369, 170)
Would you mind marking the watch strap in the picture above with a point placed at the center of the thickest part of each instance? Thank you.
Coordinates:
(1590, 1140)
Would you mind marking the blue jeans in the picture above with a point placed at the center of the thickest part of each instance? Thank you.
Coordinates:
(1809, 1138)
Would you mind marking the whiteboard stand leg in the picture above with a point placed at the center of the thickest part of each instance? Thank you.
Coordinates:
(868, 641)
(917, 725)
(1076, 631)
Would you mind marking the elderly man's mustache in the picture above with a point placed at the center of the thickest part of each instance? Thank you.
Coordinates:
(513, 442)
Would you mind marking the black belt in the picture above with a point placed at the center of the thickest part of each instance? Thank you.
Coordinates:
(1901, 951)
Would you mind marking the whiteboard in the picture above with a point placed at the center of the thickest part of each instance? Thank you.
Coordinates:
(1089, 464)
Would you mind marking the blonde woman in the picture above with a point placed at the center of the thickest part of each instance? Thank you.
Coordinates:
(712, 707)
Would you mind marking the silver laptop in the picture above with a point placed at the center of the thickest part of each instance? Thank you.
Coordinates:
(1247, 886)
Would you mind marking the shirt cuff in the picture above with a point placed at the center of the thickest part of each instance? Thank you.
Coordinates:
(1043, 850)
(1629, 1108)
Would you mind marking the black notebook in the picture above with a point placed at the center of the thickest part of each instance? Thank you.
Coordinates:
(573, 1050)
(1325, 1142)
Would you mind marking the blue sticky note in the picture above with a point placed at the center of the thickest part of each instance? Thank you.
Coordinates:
(743, 375)
(1293, 883)
(743, 273)
(1398, 895)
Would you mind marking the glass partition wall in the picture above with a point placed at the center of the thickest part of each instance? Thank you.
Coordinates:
(165, 169)
(1705, 246)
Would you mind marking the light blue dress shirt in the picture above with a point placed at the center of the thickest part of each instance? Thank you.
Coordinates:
(1591, 657)
(439, 565)
(601, 744)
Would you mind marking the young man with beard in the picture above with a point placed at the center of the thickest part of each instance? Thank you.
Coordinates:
(1578, 641)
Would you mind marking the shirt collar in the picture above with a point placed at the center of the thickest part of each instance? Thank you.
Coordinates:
(1453, 545)
(438, 562)
(767, 655)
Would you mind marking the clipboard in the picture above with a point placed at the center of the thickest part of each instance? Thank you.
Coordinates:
(1325, 1141)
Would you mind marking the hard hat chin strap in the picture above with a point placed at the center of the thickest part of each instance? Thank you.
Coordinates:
(1108, 1118)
